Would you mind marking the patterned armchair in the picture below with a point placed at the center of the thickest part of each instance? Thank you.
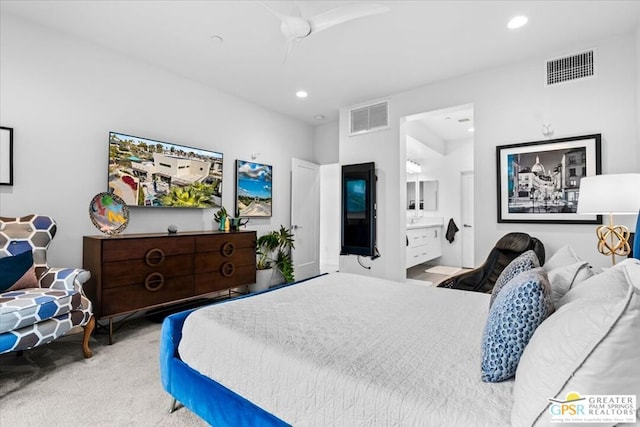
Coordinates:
(53, 302)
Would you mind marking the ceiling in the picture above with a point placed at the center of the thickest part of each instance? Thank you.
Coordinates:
(237, 46)
(445, 125)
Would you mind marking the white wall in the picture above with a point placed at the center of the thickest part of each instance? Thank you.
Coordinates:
(447, 171)
(417, 130)
(509, 103)
(380, 147)
(637, 71)
(63, 95)
(326, 139)
(330, 203)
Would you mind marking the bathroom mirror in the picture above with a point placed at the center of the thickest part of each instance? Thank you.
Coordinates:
(429, 195)
(411, 195)
(422, 195)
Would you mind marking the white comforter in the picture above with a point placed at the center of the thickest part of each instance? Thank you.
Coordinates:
(349, 350)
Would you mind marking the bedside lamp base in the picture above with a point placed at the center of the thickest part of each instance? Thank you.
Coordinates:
(613, 240)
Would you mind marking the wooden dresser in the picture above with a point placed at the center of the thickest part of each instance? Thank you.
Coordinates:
(135, 272)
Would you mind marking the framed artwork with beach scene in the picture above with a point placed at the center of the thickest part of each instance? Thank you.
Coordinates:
(253, 189)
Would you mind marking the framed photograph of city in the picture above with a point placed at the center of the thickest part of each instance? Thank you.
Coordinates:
(253, 189)
(539, 182)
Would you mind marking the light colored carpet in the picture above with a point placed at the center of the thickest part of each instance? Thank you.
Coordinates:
(441, 269)
(120, 385)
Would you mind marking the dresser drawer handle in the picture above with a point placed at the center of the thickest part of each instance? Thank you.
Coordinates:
(154, 282)
(154, 257)
(228, 249)
(227, 269)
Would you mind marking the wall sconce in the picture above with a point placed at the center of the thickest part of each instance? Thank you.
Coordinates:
(413, 166)
(614, 194)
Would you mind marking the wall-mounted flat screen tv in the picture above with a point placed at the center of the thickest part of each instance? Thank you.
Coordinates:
(359, 209)
(149, 173)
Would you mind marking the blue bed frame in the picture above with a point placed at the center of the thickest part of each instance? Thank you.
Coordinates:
(208, 399)
(211, 401)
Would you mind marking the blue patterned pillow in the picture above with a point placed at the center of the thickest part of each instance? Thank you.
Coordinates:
(519, 309)
(524, 262)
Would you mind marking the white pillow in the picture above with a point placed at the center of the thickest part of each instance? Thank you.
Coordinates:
(633, 269)
(601, 291)
(563, 257)
(562, 279)
(590, 346)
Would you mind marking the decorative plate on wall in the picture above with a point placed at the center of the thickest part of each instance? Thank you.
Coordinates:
(109, 213)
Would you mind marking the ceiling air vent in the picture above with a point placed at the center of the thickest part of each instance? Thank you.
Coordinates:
(369, 118)
(573, 67)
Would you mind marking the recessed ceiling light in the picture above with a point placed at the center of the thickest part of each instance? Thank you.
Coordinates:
(517, 22)
(470, 130)
(217, 39)
(319, 117)
(301, 94)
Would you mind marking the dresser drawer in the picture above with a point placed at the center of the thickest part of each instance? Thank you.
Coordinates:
(224, 242)
(152, 249)
(218, 280)
(124, 273)
(206, 262)
(423, 244)
(136, 296)
(417, 237)
(416, 255)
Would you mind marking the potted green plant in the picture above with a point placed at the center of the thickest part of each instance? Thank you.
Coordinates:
(273, 255)
(221, 216)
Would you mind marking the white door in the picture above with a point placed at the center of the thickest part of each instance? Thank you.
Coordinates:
(330, 202)
(305, 218)
(467, 220)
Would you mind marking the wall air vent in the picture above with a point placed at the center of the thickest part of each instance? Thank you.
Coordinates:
(573, 67)
(369, 118)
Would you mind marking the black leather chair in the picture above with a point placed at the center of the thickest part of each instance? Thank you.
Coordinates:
(483, 278)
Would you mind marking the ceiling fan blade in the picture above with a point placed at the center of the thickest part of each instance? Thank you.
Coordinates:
(343, 14)
(280, 16)
(292, 26)
(290, 45)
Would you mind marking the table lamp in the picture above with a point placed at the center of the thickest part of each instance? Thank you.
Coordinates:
(612, 194)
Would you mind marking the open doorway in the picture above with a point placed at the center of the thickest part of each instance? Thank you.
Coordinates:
(439, 200)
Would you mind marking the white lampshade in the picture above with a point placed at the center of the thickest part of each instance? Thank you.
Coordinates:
(617, 194)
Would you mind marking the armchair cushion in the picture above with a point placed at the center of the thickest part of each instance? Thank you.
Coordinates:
(25, 307)
(17, 272)
(44, 332)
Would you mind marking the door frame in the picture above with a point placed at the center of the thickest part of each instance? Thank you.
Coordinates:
(464, 247)
(312, 195)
